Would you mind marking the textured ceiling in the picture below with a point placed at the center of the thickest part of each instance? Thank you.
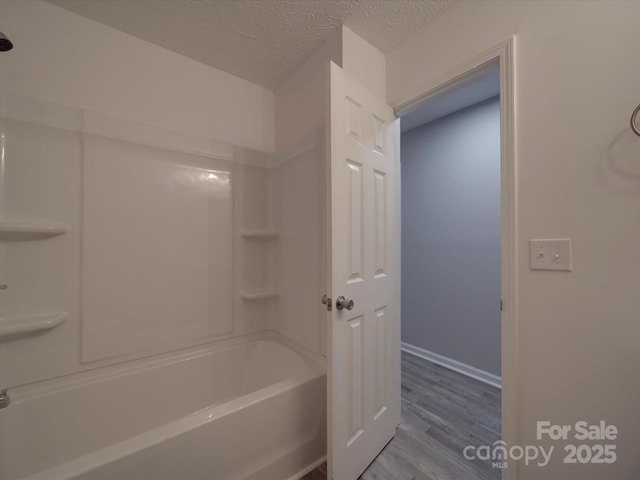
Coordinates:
(262, 41)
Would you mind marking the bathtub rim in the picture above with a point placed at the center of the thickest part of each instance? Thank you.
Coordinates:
(43, 388)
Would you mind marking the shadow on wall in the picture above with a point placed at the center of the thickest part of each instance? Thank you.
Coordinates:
(619, 168)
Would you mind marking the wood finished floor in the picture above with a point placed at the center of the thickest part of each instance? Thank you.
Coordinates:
(442, 412)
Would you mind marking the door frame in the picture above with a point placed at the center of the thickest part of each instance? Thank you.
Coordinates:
(504, 54)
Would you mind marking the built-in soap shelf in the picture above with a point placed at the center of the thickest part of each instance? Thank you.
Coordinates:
(30, 324)
(30, 230)
(265, 235)
(259, 234)
(262, 294)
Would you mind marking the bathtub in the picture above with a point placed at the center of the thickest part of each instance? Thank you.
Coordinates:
(248, 408)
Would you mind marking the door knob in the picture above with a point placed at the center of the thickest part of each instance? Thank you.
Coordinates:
(342, 303)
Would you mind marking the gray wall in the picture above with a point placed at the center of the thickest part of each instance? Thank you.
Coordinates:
(451, 236)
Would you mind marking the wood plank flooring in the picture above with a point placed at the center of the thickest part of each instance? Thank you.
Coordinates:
(442, 412)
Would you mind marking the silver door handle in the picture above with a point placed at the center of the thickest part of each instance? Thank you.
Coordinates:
(342, 303)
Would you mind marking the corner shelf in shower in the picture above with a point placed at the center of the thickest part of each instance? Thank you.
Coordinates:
(30, 324)
(30, 230)
(263, 294)
(259, 234)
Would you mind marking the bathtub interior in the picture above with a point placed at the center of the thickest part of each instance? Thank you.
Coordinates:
(61, 420)
(273, 434)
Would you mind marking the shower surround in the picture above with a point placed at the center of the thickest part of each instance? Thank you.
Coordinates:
(145, 270)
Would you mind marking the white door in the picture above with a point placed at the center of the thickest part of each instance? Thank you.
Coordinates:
(364, 342)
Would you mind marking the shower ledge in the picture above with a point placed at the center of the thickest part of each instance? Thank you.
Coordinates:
(30, 230)
(259, 234)
(263, 294)
(30, 324)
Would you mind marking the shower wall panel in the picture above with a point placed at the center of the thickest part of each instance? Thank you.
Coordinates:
(39, 182)
(157, 248)
(151, 256)
(299, 199)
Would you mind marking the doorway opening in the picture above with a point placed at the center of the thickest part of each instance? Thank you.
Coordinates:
(450, 156)
(459, 337)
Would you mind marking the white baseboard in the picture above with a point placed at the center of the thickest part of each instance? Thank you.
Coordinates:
(456, 366)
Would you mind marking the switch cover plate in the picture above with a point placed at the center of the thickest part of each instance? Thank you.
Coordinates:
(554, 254)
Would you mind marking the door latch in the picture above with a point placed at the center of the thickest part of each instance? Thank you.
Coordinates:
(326, 301)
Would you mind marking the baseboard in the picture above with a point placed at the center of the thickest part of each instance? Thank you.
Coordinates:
(456, 366)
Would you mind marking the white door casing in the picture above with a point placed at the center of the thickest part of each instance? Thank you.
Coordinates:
(364, 240)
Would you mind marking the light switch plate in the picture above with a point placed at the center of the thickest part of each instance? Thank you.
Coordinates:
(554, 254)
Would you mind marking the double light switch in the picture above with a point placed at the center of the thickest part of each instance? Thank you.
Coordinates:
(550, 254)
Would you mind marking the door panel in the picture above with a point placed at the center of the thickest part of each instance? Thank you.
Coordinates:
(380, 218)
(355, 194)
(356, 378)
(364, 343)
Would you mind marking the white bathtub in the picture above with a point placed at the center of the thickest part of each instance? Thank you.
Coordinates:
(248, 408)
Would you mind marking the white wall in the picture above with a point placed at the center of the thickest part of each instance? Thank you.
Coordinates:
(300, 100)
(451, 236)
(64, 58)
(363, 62)
(577, 177)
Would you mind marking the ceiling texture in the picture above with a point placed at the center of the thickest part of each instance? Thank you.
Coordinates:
(262, 41)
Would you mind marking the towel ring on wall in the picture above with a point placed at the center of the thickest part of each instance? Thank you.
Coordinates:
(634, 121)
